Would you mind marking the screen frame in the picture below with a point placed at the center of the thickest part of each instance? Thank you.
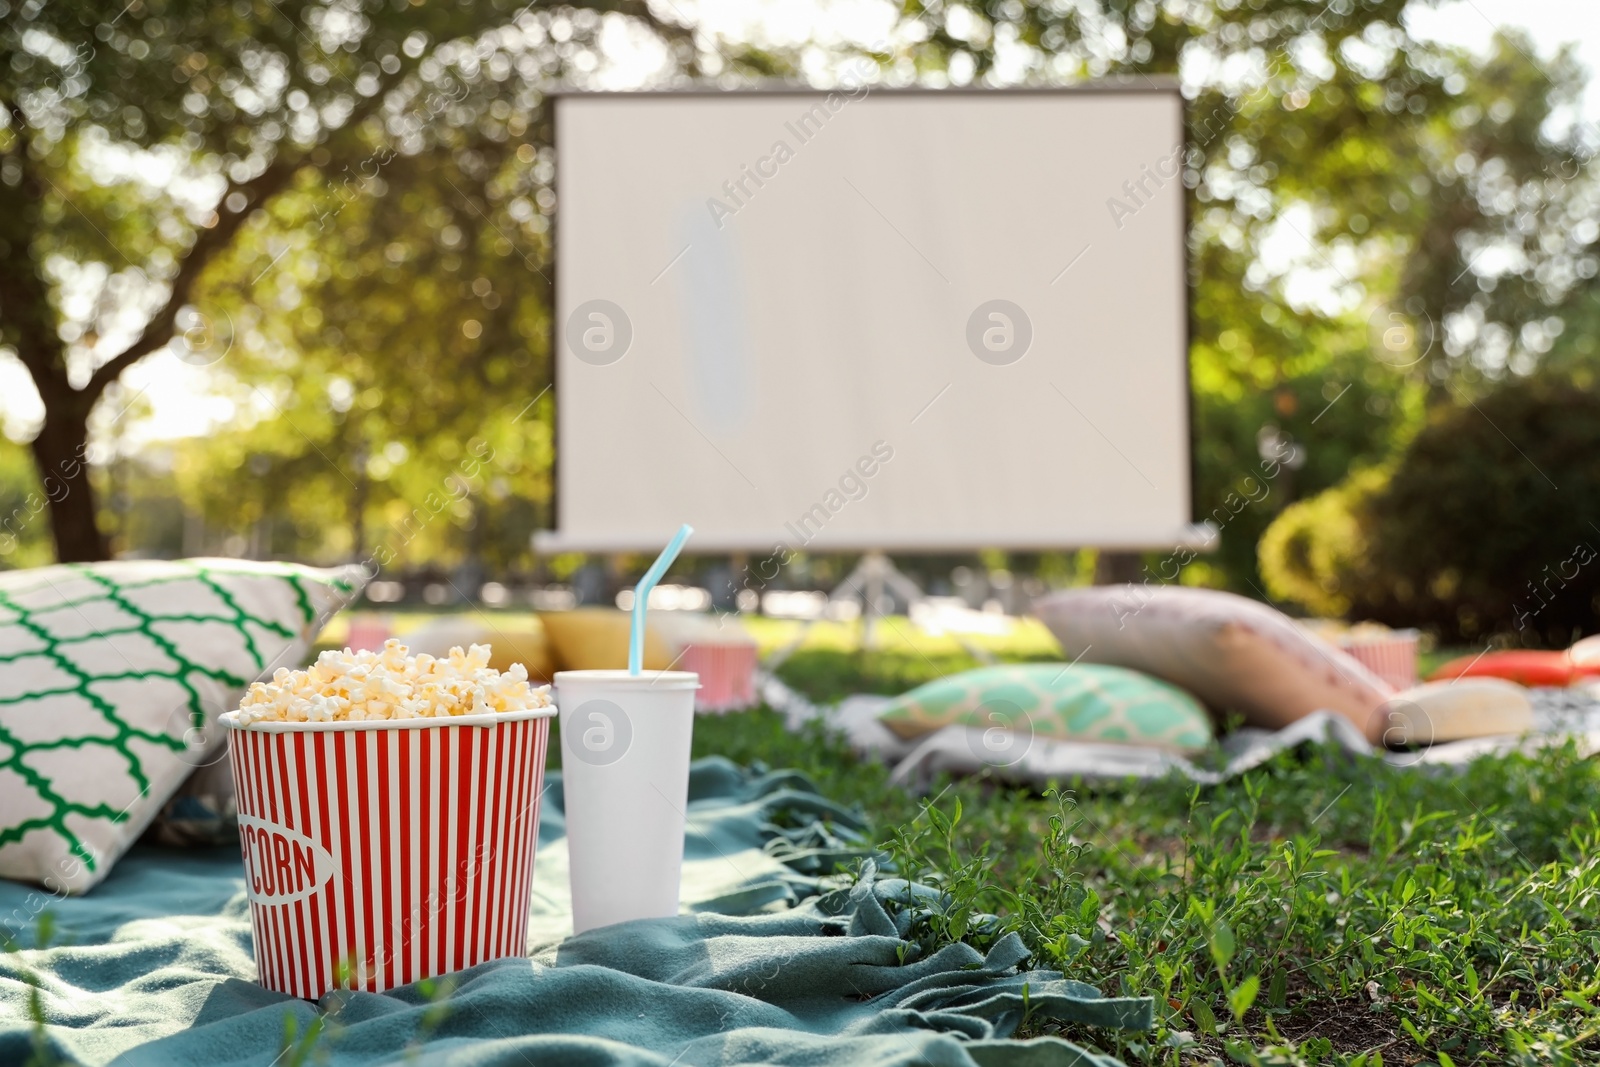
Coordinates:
(1197, 534)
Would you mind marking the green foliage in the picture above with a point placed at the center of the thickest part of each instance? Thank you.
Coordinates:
(1484, 530)
(1488, 523)
(413, 423)
(1338, 411)
(1372, 908)
(297, 1047)
(309, 195)
(1313, 550)
(831, 673)
(379, 295)
(24, 526)
(1319, 910)
(42, 1051)
(1391, 162)
(316, 1041)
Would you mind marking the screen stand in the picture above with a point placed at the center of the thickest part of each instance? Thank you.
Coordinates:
(873, 575)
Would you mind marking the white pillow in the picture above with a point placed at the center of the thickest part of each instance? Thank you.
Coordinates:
(112, 676)
(1456, 710)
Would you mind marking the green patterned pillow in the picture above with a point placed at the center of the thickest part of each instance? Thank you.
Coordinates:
(112, 676)
(1067, 702)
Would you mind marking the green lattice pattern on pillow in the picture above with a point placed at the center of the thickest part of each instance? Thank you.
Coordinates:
(111, 680)
(1068, 702)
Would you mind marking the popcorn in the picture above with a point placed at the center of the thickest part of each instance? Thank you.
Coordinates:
(391, 684)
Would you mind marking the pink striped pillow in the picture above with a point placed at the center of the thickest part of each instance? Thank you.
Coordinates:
(1232, 652)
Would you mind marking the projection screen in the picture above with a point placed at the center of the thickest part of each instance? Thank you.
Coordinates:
(871, 319)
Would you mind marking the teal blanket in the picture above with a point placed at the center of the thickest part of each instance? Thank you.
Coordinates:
(768, 965)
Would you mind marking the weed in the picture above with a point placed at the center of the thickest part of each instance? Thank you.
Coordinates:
(1322, 909)
(41, 1053)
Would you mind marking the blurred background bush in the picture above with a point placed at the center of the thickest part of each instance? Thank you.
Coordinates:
(1485, 524)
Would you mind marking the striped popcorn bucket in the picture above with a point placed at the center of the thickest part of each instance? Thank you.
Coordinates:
(381, 853)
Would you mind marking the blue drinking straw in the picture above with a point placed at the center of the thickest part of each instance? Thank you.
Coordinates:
(641, 595)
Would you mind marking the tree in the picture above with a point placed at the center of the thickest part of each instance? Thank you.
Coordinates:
(22, 506)
(1470, 533)
(1424, 182)
(393, 389)
(99, 267)
(1437, 193)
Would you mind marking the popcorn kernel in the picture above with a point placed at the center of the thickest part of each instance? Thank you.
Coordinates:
(391, 684)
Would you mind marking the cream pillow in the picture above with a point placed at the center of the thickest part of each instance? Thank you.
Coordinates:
(1456, 710)
(1233, 653)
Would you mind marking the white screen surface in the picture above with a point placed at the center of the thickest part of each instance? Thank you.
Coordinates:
(776, 320)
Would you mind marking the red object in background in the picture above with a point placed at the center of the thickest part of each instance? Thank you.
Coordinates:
(378, 857)
(1392, 657)
(367, 633)
(1525, 667)
(727, 676)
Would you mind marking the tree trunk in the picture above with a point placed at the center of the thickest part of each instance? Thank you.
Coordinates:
(61, 454)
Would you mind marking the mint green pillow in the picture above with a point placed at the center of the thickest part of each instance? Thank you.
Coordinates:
(1067, 702)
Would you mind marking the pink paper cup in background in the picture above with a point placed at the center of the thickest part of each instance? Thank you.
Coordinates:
(727, 676)
(380, 853)
(1391, 656)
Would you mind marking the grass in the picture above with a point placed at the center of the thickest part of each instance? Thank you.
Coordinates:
(1320, 910)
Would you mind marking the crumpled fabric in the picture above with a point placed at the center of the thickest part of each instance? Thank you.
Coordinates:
(155, 967)
(1559, 715)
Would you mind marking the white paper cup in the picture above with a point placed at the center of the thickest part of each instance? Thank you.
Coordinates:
(625, 770)
(379, 853)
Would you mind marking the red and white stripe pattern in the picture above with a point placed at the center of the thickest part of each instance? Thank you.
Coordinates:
(1392, 657)
(379, 857)
(727, 676)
